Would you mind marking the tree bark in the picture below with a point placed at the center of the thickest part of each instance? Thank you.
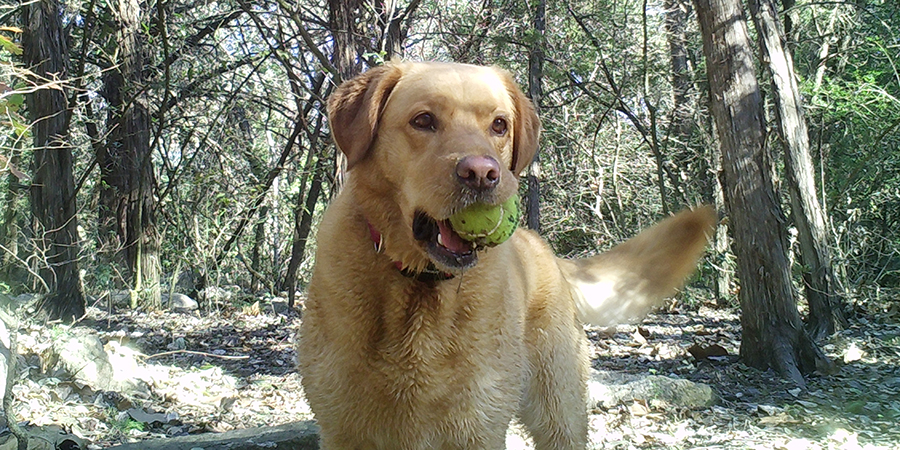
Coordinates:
(9, 232)
(393, 32)
(807, 214)
(536, 92)
(302, 227)
(303, 212)
(693, 163)
(772, 335)
(128, 205)
(344, 30)
(824, 54)
(682, 83)
(53, 185)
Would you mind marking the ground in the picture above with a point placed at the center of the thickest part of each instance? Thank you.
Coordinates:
(232, 367)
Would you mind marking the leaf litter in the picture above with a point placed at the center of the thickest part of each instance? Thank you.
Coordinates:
(233, 368)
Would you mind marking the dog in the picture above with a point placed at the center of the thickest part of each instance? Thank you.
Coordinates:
(412, 337)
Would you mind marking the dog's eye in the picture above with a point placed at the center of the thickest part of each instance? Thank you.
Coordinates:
(499, 126)
(424, 121)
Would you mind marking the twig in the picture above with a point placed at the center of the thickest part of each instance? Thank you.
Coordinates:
(27, 267)
(191, 352)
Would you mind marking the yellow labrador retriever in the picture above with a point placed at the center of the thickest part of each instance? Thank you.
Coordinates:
(412, 337)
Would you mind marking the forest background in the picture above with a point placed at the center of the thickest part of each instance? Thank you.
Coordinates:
(148, 143)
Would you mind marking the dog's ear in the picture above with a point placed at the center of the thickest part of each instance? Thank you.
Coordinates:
(355, 108)
(526, 130)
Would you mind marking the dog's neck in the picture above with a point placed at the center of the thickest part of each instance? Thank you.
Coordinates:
(429, 275)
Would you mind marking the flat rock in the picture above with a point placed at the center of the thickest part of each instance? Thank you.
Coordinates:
(80, 352)
(180, 302)
(608, 389)
(292, 436)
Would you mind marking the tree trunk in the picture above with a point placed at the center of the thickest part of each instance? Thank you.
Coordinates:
(723, 281)
(9, 233)
(393, 31)
(302, 227)
(772, 335)
(259, 239)
(303, 212)
(818, 276)
(695, 164)
(127, 210)
(342, 23)
(682, 82)
(53, 185)
(536, 92)
(342, 19)
(824, 54)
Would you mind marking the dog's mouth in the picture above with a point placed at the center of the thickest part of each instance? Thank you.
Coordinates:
(443, 245)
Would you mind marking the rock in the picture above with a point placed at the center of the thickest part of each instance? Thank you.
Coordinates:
(608, 389)
(280, 305)
(180, 302)
(217, 295)
(187, 281)
(292, 436)
(50, 437)
(24, 299)
(120, 298)
(124, 361)
(80, 353)
(177, 344)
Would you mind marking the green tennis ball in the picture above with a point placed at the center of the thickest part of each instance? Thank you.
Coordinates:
(485, 224)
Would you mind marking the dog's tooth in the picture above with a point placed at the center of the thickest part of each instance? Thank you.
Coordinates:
(440, 240)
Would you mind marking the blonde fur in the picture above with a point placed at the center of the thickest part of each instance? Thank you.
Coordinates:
(392, 362)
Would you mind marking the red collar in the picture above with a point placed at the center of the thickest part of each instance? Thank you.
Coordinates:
(430, 274)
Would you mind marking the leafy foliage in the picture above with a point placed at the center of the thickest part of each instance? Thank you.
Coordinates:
(239, 134)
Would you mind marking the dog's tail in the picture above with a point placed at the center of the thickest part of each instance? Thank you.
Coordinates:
(625, 283)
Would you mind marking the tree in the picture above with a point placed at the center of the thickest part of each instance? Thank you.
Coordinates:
(771, 331)
(693, 160)
(818, 275)
(55, 222)
(391, 18)
(307, 198)
(128, 203)
(536, 92)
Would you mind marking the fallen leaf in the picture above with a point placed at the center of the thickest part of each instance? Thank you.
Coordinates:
(638, 408)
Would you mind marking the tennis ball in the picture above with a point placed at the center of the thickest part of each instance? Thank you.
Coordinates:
(485, 224)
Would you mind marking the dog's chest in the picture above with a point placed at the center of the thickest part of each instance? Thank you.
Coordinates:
(425, 323)
(429, 343)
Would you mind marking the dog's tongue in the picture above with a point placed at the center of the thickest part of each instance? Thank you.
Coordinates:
(451, 240)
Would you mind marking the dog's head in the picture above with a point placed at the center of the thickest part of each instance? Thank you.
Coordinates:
(424, 140)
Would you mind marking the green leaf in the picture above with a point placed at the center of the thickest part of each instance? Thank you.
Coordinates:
(16, 100)
(10, 46)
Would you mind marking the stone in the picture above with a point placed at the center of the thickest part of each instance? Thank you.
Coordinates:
(608, 389)
(80, 353)
(293, 436)
(180, 302)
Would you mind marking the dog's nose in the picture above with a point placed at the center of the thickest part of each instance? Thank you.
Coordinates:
(479, 173)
